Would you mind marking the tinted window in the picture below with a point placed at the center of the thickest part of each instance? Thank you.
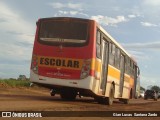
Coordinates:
(63, 31)
(98, 44)
(98, 37)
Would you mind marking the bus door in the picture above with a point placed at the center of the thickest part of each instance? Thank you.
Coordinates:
(104, 70)
(122, 69)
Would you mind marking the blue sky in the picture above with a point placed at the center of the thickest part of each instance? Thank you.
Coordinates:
(134, 24)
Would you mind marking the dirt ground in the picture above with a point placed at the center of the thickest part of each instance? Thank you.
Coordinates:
(29, 99)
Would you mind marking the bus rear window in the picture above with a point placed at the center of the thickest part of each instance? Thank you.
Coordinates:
(66, 32)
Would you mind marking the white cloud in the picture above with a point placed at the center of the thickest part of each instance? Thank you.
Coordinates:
(147, 24)
(132, 16)
(70, 13)
(143, 46)
(63, 12)
(73, 12)
(58, 5)
(152, 2)
(15, 23)
(105, 20)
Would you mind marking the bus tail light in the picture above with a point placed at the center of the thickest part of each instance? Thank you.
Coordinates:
(85, 68)
(34, 65)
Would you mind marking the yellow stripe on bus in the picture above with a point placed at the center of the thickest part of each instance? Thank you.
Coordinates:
(131, 81)
(97, 65)
(113, 72)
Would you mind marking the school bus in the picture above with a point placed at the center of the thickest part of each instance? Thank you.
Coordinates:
(75, 56)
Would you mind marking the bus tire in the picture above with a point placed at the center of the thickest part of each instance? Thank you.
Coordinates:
(99, 100)
(145, 98)
(68, 94)
(155, 99)
(126, 101)
(109, 100)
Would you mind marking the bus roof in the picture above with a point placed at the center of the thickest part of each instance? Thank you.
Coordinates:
(65, 18)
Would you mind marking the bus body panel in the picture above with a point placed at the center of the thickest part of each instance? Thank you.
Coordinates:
(83, 84)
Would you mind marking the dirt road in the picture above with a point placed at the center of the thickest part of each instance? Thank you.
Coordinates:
(26, 99)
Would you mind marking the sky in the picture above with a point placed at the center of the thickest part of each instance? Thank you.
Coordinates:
(134, 24)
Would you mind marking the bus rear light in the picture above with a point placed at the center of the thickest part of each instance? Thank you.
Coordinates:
(34, 65)
(85, 68)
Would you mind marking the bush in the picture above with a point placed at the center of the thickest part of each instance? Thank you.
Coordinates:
(15, 83)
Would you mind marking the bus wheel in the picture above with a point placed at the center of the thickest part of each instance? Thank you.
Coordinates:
(145, 98)
(100, 100)
(68, 94)
(126, 101)
(109, 100)
(155, 99)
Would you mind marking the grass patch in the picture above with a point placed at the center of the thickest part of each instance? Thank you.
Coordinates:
(15, 83)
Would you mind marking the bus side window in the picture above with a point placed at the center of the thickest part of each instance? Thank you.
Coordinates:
(127, 65)
(117, 58)
(98, 37)
(98, 44)
(113, 49)
(111, 56)
(138, 71)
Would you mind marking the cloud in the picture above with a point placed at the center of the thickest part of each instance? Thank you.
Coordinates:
(73, 12)
(15, 51)
(2, 20)
(144, 46)
(132, 16)
(17, 36)
(15, 23)
(147, 24)
(138, 55)
(70, 13)
(138, 50)
(105, 20)
(150, 10)
(58, 5)
(152, 2)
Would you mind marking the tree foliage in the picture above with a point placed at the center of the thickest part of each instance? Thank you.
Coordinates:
(156, 88)
(142, 88)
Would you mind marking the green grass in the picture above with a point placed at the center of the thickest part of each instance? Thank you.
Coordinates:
(15, 83)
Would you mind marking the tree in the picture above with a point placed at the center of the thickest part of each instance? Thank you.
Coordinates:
(156, 88)
(22, 77)
(142, 88)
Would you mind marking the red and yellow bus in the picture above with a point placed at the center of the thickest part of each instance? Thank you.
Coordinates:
(74, 56)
